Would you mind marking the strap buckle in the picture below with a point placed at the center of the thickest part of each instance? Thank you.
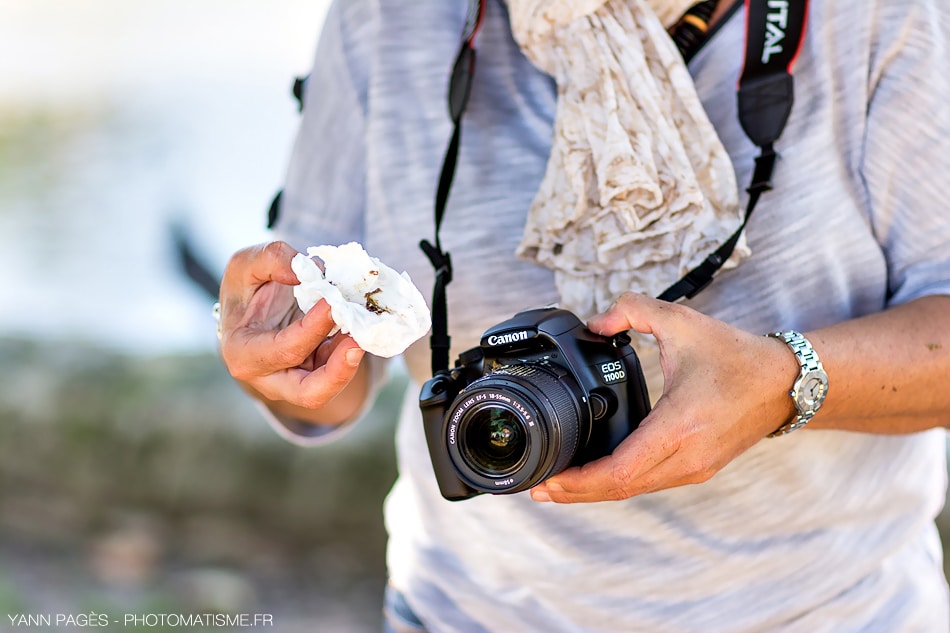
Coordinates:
(440, 260)
(762, 174)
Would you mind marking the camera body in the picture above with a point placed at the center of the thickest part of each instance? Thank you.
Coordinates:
(539, 394)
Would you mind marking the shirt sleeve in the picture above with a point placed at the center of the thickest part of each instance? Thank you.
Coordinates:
(906, 159)
(325, 188)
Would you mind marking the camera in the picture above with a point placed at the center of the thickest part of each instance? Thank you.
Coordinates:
(540, 393)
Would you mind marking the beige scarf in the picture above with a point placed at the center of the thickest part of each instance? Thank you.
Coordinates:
(638, 188)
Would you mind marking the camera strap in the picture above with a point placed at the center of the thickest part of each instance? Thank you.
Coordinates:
(775, 30)
(460, 87)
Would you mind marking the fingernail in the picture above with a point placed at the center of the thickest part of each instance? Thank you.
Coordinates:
(354, 356)
(553, 486)
(540, 495)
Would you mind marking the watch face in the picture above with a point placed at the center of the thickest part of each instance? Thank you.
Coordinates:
(811, 391)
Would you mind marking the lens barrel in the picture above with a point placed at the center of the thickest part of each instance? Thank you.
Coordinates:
(511, 429)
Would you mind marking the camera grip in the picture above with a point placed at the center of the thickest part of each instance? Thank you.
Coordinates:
(436, 394)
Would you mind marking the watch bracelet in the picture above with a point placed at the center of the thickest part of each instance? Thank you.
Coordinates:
(808, 361)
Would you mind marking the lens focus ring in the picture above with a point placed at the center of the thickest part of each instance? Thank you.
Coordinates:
(558, 407)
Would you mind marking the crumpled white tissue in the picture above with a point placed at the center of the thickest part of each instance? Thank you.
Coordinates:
(381, 309)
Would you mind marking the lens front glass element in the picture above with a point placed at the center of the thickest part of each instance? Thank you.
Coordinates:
(494, 440)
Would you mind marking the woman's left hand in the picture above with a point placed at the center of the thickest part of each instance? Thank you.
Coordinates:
(724, 390)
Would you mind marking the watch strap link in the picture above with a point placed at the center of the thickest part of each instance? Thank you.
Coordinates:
(810, 364)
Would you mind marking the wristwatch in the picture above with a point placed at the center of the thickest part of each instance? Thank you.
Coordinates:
(811, 386)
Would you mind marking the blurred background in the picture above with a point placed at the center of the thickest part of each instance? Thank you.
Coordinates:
(135, 478)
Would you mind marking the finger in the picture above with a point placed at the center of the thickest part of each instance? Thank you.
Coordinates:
(252, 267)
(631, 312)
(672, 472)
(617, 476)
(315, 389)
(270, 262)
(326, 349)
(251, 352)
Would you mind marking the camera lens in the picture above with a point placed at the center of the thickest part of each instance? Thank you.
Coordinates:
(516, 426)
(495, 440)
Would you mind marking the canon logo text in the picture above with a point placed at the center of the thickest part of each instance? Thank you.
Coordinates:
(511, 337)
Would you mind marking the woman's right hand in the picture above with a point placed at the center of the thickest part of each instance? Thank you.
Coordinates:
(279, 354)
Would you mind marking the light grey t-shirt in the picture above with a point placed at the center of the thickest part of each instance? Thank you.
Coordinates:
(817, 531)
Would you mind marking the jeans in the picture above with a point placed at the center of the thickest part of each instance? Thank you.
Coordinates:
(398, 617)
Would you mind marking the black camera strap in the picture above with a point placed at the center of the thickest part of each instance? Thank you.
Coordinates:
(775, 30)
(460, 87)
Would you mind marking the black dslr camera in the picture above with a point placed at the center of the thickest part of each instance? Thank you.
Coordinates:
(540, 393)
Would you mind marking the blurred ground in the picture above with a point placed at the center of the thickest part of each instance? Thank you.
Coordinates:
(151, 485)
